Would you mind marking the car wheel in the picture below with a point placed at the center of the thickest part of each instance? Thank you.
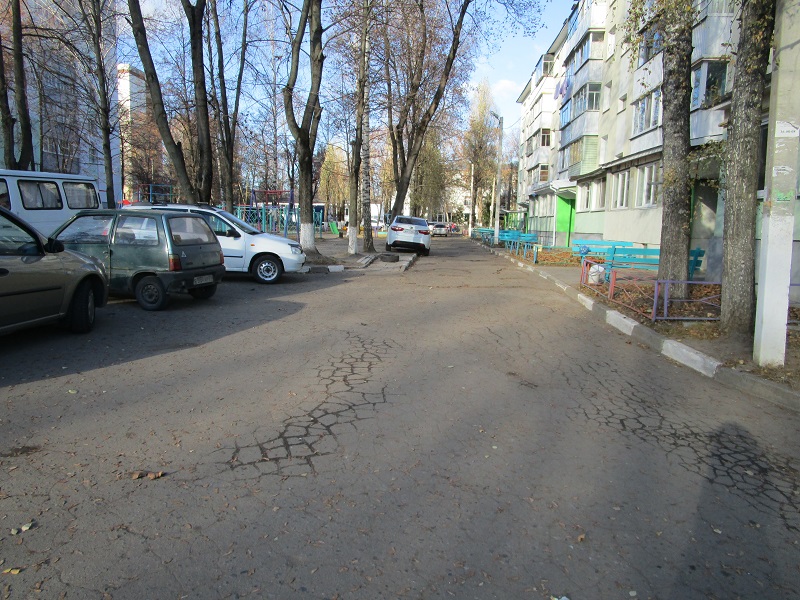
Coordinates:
(203, 293)
(82, 311)
(150, 293)
(267, 269)
(388, 248)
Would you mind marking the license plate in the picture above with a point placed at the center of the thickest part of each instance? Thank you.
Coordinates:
(200, 280)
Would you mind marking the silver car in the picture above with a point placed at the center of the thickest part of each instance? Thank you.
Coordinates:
(409, 232)
(41, 282)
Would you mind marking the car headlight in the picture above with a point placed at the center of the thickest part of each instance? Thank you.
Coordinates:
(296, 249)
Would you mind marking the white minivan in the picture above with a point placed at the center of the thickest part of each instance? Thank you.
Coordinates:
(246, 249)
(46, 200)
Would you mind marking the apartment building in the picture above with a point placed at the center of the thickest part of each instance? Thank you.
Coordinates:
(607, 179)
(547, 212)
(60, 90)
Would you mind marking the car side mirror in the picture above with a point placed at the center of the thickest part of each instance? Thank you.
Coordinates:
(232, 233)
(53, 245)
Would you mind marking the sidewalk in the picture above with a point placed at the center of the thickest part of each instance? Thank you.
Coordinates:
(698, 354)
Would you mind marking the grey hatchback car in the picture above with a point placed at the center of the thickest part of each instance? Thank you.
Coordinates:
(42, 283)
(149, 255)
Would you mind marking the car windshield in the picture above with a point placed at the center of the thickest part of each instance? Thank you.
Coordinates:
(246, 227)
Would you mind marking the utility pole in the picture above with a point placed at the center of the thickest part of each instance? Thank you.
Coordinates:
(471, 196)
(777, 215)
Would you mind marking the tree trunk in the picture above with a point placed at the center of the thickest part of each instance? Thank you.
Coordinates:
(174, 150)
(103, 96)
(305, 132)
(676, 91)
(738, 301)
(227, 120)
(203, 177)
(6, 118)
(25, 160)
(369, 245)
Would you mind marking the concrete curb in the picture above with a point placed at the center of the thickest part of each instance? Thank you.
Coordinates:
(362, 263)
(676, 351)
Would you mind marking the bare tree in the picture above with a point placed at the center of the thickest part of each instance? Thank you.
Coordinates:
(227, 117)
(423, 41)
(304, 132)
(198, 188)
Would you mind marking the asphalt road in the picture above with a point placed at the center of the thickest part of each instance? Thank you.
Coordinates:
(462, 429)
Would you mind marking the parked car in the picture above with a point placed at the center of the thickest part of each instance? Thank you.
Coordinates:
(440, 229)
(149, 256)
(46, 200)
(41, 282)
(247, 250)
(409, 232)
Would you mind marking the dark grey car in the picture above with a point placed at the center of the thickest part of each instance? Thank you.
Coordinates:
(150, 254)
(41, 282)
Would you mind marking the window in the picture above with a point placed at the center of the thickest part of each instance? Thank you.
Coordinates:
(565, 114)
(5, 199)
(697, 73)
(40, 195)
(15, 241)
(596, 50)
(529, 146)
(650, 46)
(716, 79)
(620, 193)
(647, 112)
(606, 97)
(599, 195)
(593, 97)
(80, 195)
(586, 98)
(584, 197)
(88, 230)
(622, 102)
(573, 153)
(545, 138)
(544, 173)
(136, 231)
(650, 180)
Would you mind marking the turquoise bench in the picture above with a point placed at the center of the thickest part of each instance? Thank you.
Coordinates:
(595, 248)
(524, 243)
(618, 257)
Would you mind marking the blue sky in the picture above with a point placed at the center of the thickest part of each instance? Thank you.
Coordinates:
(509, 69)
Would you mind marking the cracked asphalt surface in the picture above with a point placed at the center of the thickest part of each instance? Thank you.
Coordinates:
(462, 429)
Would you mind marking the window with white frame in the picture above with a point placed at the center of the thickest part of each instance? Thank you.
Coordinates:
(649, 184)
(647, 112)
(544, 139)
(597, 191)
(584, 197)
(587, 98)
(544, 173)
(620, 192)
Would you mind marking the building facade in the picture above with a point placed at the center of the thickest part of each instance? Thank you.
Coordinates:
(607, 178)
